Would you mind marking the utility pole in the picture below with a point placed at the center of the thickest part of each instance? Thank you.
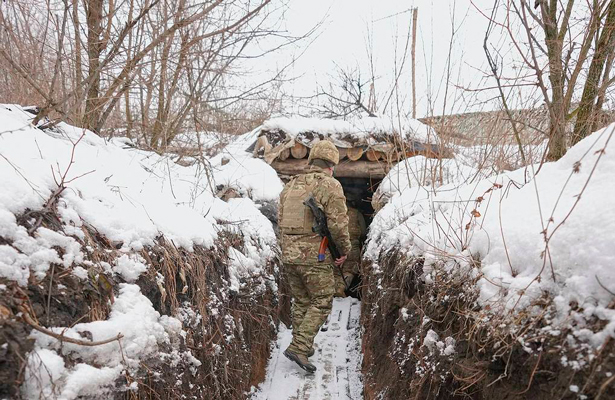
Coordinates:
(415, 13)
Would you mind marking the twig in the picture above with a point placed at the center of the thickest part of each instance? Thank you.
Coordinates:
(62, 338)
(531, 376)
(53, 268)
(604, 287)
(604, 386)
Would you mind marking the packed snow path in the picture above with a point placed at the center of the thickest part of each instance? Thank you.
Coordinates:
(337, 357)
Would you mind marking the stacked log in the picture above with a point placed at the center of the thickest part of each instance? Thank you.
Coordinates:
(354, 153)
(355, 169)
(281, 152)
(284, 154)
(299, 151)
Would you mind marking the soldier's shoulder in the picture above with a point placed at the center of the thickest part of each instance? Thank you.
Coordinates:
(294, 180)
(331, 183)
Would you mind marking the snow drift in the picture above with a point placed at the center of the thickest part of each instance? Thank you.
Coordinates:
(102, 241)
(519, 261)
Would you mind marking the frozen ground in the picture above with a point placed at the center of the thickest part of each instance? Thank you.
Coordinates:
(337, 357)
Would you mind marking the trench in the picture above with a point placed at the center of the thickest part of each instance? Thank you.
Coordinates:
(338, 347)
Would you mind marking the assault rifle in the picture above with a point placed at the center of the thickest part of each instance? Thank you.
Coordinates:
(320, 227)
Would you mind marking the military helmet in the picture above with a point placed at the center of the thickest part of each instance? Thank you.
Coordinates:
(324, 150)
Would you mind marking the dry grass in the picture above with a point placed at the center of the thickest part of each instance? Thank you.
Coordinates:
(233, 357)
(497, 355)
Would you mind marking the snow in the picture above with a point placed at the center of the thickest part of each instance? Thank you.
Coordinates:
(14, 265)
(86, 380)
(251, 177)
(145, 333)
(130, 267)
(128, 195)
(44, 368)
(361, 129)
(337, 357)
(425, 172)
(433, 343)
(430, 340)
(503, 221)
(32, 253)
(469, 165)
(241, 266)
(132, 197)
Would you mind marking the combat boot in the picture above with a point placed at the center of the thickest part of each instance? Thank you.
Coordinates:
(311, 352)
(301, 360)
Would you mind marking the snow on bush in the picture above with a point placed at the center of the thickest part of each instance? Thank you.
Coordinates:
(552, 234)
(131, 197)
(432, 342)
(144, 334)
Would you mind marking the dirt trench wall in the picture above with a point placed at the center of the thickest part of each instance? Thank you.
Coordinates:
(431, 341)
(229, 333)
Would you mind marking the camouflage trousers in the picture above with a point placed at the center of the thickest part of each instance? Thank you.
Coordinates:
(312, 288)
(349, 269)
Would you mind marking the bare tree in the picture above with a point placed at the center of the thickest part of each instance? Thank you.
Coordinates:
(159, 60)
(348, 95)
(598, 78)
(555, 41)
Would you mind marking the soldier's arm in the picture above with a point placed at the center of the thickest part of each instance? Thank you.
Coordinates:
(281, 202)
(334, 204)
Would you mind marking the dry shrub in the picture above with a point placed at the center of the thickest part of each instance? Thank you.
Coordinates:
(231, 338)
(496, 355)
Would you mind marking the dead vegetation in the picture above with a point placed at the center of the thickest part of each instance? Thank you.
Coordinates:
(233, 356)
(149, 71)
(495, 355)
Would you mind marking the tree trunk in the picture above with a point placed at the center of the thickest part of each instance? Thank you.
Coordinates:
(129, 120)
(605, 85)
(587, 108)
(160, 122)
(557, 111)
(93, 101)
(78, 67)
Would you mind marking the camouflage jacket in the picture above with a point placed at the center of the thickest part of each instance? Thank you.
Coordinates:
(299, 243)
(356, 229)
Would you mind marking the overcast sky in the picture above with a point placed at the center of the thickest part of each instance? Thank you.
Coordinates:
(348, 27)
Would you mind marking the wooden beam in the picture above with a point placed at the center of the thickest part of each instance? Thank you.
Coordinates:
(350, 169)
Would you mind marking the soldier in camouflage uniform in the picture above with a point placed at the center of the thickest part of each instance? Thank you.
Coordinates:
(356, 229)
(312, 284)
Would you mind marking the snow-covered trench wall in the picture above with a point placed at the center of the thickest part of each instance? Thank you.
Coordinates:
(121, 274)
(494, 287)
